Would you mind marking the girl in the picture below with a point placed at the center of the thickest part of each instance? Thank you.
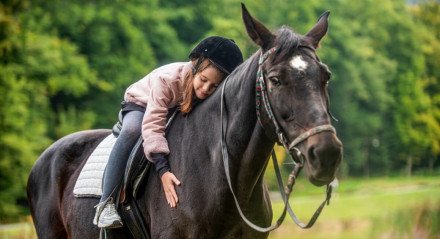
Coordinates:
(145, 108)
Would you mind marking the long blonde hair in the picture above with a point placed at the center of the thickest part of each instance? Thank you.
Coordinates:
(188, 94)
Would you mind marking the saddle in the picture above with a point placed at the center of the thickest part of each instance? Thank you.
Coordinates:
(137, 168)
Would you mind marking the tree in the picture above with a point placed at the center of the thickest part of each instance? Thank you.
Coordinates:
(427, 13)
(35, 67)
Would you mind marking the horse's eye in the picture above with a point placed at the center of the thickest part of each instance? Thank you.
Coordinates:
(275, 80)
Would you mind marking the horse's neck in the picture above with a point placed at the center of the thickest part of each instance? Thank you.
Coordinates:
(247, 143)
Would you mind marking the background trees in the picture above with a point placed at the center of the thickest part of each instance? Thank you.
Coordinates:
(65, 65)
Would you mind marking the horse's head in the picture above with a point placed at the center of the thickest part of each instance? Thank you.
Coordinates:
(296, 87)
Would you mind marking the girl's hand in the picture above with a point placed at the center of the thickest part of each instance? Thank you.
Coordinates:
(168, 181)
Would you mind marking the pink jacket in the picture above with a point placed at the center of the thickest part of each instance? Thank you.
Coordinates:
(158, 91)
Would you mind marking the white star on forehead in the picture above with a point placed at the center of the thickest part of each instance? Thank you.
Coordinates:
(298, 63)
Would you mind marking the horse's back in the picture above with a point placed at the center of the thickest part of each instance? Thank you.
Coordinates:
(53, 177)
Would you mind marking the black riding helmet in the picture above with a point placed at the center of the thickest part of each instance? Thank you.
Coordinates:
(222, 52)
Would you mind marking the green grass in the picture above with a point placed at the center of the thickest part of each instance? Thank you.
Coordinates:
(23, 230)
(422, 221)
(360, 208)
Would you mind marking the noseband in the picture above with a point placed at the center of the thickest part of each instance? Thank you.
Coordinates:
(294, 152)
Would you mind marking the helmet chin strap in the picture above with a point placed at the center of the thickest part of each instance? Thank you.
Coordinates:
(195, 68)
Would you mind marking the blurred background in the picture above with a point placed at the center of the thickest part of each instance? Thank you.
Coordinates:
(65, 65)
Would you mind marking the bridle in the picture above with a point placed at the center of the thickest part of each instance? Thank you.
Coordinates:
(298, 157)
(262, 99)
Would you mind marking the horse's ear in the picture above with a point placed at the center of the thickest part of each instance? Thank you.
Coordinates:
(256, 30)
(319, 30)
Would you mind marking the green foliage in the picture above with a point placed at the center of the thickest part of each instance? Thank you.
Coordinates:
(428, 14)
(71, 120)
(18, 141)
(113, 38)
(40, 73)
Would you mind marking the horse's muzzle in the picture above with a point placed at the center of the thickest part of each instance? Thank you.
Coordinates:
(323, 157)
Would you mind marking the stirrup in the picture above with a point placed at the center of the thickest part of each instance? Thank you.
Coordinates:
(109, 217)
(99, 208)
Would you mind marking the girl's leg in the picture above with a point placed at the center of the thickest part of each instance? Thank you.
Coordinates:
(114, 172)
(130, 133)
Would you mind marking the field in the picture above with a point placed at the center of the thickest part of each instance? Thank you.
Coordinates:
(369, 208)
(364, 208)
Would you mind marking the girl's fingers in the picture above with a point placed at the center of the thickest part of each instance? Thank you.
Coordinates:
(173, 189)
(175, 180)
(172, 203)
(170, 198)
(168, 180)
(174, 195)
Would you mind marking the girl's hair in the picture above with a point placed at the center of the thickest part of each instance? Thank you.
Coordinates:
(188, 94)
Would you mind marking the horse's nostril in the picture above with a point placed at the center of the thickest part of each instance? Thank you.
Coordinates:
(329, 155)
(312, 154)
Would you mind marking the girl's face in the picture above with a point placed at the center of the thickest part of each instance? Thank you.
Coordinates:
(206, 81)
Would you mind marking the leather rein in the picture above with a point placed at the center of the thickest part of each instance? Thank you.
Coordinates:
(298, 156)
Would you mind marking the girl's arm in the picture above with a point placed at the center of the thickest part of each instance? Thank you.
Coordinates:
(153, 133)
(154, 121)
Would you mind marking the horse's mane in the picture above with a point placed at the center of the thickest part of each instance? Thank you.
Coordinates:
(287, 41)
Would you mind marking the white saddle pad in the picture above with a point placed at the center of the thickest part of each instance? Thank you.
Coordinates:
(89, 182)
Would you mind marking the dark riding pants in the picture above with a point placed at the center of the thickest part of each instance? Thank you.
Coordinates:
(130, 133)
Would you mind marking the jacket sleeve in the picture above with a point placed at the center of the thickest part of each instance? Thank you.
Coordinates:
(154, 121)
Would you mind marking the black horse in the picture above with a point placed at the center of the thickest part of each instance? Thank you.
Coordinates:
(297, 91)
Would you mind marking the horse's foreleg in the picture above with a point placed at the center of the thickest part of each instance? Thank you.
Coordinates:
(45, 212)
